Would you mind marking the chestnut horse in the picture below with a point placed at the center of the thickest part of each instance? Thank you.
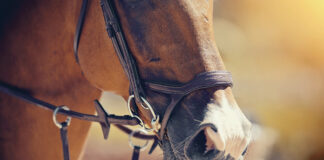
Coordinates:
(171, 41)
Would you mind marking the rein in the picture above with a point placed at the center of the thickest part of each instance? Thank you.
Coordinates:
(137, 91)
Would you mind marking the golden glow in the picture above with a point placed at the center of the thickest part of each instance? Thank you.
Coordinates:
(275, 50)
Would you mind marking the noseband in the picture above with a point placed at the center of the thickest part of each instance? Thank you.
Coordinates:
(137, 87)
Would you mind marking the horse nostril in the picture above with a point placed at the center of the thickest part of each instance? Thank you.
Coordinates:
(203, 145)
(213, 139)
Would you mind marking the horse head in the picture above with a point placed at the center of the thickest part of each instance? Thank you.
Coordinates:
(172, 42)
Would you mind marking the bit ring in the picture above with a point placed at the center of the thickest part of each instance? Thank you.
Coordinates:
(131, 135)
(155, 118)
(68, 119)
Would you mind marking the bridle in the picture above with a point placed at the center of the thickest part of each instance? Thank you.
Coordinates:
(137, 89)
(202, 80)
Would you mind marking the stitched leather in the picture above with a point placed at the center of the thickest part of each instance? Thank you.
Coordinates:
(201, 81)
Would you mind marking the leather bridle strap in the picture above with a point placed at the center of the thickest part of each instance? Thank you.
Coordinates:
(102, 116)
(125, 57)
(201, 81)
(119, 43)
(78, 29)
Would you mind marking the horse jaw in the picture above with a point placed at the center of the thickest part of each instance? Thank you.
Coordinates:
(233, 128)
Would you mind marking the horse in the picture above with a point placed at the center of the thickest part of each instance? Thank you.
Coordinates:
(171, 42)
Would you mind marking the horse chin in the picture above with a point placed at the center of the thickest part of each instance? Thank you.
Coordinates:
(195, 153)
(168, 152)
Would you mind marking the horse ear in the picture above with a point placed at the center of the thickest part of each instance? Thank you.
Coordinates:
(102, 114)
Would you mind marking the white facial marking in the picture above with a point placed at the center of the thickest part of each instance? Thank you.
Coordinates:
(233, 128)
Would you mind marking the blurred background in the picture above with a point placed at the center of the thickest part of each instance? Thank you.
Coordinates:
(275, 51)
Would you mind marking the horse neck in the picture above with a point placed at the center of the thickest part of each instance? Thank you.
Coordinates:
(37, 55)
(97, 57)
(36, 51)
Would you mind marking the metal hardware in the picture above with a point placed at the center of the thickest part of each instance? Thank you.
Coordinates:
(131, 135)
(155, 120)
(68, 119)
